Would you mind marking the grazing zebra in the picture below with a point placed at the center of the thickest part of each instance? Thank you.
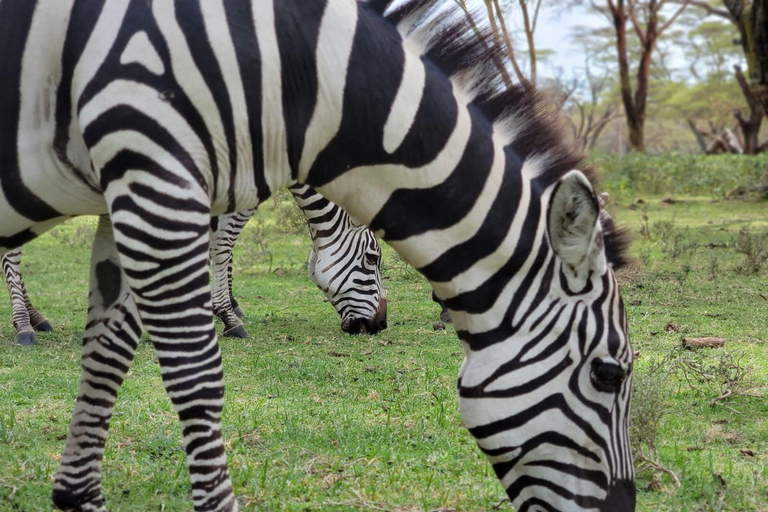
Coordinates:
(162, 113)
(345, 263)
(26, 319)
(349, 270)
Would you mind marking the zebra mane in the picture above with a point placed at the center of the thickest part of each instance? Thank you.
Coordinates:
(466, 54)
(616, 241)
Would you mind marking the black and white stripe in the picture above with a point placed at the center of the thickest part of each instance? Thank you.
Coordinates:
(26, 319)
(163, 113)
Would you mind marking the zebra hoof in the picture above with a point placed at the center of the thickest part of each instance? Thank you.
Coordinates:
(65, 499)
(239, 312)
(26, 338)
(236, 332)
(44, 326)
(445, 317)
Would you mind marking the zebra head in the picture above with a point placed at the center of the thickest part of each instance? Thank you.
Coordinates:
(345, 263)
(547, 395)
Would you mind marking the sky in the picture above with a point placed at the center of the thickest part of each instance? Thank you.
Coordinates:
(555, 32)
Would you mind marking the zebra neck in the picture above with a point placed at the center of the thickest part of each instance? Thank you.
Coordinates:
(324, 219)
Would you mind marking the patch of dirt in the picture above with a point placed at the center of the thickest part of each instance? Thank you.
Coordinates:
(716, 432)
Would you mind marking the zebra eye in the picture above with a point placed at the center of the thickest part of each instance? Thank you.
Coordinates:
(372, 258)
(607, 377)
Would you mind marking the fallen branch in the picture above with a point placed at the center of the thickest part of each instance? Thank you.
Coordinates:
(658, 467)
(506, 500)
(716, 401)
(712, 342)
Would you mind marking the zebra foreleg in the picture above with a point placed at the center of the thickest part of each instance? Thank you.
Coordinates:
(111, 337)
(235, 306)
(164, 252)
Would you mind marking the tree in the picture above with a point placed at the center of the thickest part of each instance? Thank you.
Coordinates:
(750, 18)
(648, 24)
(717, 97)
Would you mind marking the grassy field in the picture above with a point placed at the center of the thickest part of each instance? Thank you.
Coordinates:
(317, 420)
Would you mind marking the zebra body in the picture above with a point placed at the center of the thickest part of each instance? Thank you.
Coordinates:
(163, 113)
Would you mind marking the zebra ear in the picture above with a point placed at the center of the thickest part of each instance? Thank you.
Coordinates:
(572, 219)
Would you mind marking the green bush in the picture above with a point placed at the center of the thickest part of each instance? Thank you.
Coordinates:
(678, 173)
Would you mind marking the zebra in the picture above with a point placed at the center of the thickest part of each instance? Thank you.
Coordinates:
(349, 273)
(151, 113)
(26, 319)
(345, 264)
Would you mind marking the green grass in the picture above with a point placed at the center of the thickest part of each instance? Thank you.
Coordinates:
(317, 420)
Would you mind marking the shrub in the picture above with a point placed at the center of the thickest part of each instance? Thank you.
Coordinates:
(754, 248)
(678, 173)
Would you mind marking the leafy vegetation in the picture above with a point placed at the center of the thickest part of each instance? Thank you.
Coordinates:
(675, 174)
(317, 420)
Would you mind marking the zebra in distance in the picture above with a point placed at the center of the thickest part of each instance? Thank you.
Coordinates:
(151, 112)
(345, 264)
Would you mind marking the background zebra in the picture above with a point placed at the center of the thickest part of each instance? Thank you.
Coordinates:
(162, 113)
(345, 264)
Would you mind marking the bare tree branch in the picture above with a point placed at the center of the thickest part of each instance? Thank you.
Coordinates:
(703, 4)
(671, 20)
(632, 12)
(528, 35)
(499, 63)
(536, 14)
(489, 4)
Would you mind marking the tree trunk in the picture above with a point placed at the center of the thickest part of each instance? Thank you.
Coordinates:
(634, 124)
(699, 136)
(750, 127)
(636, 134)
(761, 49)
(751, 19)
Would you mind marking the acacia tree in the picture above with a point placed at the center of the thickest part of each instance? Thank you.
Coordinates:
(648, 25)
(750, 18)
(717, 96)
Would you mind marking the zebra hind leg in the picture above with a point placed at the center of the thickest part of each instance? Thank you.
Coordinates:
(25, 334)
(110, 340)
(37, 319)
(225, 307)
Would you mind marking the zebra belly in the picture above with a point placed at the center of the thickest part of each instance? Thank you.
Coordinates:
(37, 189)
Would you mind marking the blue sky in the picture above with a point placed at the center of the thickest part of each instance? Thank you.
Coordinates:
(555, 31)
